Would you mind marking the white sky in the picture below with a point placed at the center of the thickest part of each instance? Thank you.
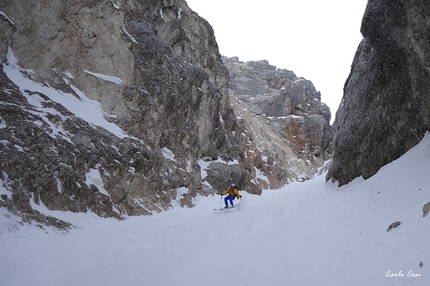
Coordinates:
(315, 39)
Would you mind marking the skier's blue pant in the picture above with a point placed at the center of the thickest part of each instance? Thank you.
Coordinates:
(229, 198)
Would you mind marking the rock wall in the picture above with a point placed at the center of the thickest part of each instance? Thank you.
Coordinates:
(121, 107)
(287, 112)
(155, 70)
(385, 109)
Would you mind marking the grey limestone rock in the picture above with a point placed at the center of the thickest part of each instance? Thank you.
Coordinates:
(385, 109)
(426, 209)
(155, 69)
(292, 110)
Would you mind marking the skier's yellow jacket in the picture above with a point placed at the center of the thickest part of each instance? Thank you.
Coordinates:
(232, 192)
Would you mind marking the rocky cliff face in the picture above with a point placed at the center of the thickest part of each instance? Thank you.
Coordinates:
(122, 108)
(385, 109)
(154, 70)
(289, 109)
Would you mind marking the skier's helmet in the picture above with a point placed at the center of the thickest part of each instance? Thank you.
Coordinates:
(233, 185)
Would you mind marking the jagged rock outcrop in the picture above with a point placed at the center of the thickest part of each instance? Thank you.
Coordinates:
(154, 69)
(290, 116)
(385, 109)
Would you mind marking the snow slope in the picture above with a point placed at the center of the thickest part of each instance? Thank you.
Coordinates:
(309, 233)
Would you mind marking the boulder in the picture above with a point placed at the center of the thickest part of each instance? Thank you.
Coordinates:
(221, 176)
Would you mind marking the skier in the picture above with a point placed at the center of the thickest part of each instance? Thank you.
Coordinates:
(232, 192)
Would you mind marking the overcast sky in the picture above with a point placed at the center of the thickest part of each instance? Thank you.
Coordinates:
(315, 39)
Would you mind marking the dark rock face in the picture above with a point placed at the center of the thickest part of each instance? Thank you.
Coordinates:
(385, 109)
(221, 175)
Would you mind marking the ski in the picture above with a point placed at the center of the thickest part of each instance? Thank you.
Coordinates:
(236, 206)
(221, 209)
